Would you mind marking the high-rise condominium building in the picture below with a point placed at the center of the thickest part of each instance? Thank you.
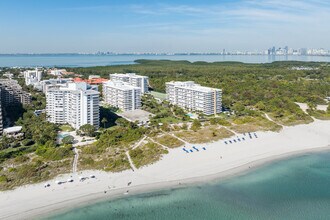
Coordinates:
(76, 104)
(32, 76)
(122, 95)
(134, 80)
(194, 97)
(13, 94)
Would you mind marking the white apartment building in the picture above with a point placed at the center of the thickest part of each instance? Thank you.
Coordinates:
(57, 72)
(32, 76)
(134, 80)
(122, 95)
(76, 104)
(194, 97)
(44, 85)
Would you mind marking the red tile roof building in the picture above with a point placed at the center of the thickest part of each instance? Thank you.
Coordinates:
(94, 81)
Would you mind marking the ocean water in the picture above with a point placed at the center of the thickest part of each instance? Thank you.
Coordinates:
(75, 60)
(296, 188)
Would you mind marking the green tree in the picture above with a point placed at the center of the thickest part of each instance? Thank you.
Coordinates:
(104, 121)
(5, 142)
(196, 125)
(122, 122)
(68, 140)
(88, 130)
(261, 105)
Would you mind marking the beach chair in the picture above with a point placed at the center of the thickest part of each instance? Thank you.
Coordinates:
(191, 151)
(204, 148)
(226, 142)
(234, 140)
(243, 138)
(230, 142)
(195, 148)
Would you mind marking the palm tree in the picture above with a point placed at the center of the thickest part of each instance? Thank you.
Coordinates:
(104, 121)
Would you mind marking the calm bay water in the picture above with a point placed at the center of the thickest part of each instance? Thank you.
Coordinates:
(296, 188)
(67, 60)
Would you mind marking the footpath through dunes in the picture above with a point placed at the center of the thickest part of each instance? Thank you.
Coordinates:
(175, 169)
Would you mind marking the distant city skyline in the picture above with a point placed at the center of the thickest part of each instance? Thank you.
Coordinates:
(270, 51)
(167, 26)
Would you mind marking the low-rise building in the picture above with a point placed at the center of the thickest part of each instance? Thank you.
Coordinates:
(76, 104)
(194, 97)
(122, 95)
(132, 79)
(13, 132)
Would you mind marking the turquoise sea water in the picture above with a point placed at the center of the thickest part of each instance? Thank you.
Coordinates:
(296, 188)
(76, 60)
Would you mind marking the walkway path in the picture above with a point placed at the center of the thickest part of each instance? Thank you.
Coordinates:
(130, 161)
(270, 119)
(180, 139)
(134, 147)
(139, 143)
(152, 140)
(231, 130)
(75, 160)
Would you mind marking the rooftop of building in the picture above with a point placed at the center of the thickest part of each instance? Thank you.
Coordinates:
(120, 85)
(58, 80)
(136, 115)
(14, 129)
(193, 86)
(76, 86)
(92, 81)
(133, 75)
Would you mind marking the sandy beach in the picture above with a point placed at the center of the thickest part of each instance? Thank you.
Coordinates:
(176, 169)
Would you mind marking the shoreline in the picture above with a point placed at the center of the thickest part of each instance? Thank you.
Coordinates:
(238, 159)
(183, 183)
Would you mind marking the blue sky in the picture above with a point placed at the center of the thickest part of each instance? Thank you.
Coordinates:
(41, 26)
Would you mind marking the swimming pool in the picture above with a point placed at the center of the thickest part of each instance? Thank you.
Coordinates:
(61, 136)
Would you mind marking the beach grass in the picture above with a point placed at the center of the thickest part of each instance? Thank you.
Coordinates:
(27, 170)
(319, 114)
(205, 134)
(147, 154)
(169, 141)
(252, 124)
(110, 159)
(291, 119)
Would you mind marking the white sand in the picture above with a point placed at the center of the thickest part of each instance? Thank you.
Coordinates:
(304, 107)
(176, 169)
